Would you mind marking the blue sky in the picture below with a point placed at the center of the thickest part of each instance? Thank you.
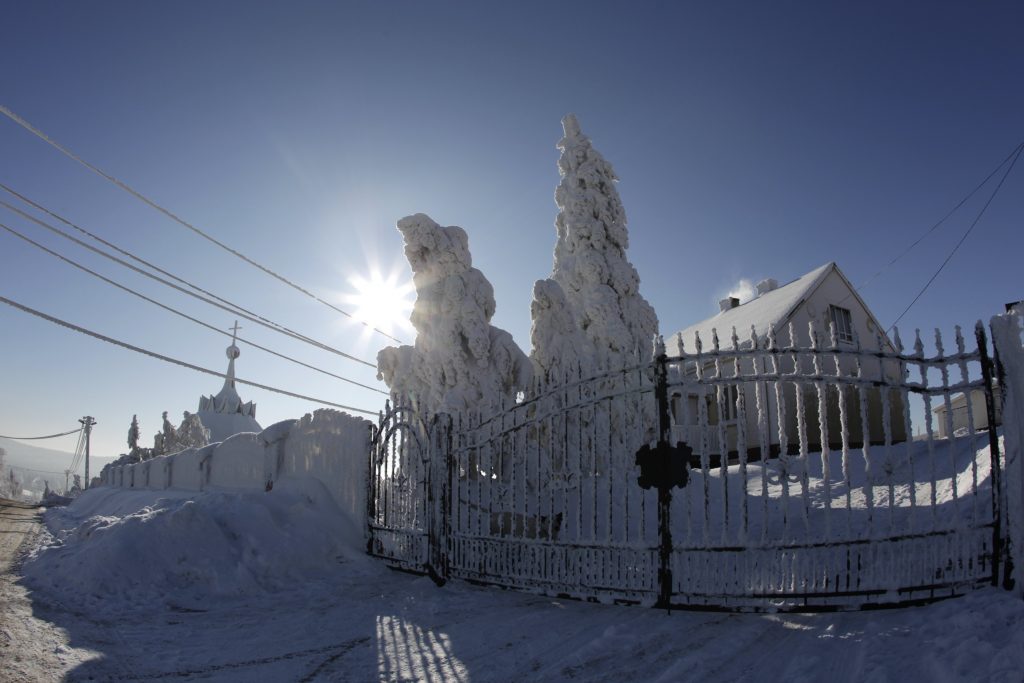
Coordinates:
(752, 140)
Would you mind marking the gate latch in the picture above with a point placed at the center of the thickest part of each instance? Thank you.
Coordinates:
(664, 465)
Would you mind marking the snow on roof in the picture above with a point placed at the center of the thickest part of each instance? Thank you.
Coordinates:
(770, 308)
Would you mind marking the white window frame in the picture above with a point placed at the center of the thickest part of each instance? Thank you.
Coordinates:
(841, 318)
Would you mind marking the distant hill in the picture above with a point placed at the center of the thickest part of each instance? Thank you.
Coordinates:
(45, 461)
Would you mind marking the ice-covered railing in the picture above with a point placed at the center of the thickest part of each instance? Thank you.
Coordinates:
(817, 472)
(781, 403)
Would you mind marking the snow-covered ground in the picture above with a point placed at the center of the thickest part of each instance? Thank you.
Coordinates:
(159, 585)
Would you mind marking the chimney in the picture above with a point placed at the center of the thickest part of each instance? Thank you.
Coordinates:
(769, 284)
(728, 303)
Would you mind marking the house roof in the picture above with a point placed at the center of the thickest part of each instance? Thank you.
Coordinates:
(768, 309)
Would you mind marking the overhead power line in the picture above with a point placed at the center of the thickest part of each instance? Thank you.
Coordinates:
(231, 308)
(1020, 148)
(175, 311)
(1011, 155)
(36, 438)
(175, 361)
(128, 254)
(138, 195)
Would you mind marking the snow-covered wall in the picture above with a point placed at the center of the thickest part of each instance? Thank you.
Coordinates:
(1006, 337)
(328, 445)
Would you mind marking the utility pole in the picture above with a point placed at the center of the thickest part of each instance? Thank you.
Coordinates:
(87, 423)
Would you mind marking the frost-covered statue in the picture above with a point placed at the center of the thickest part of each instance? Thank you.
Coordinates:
(169, 434)
(601, 287)
(459, 360)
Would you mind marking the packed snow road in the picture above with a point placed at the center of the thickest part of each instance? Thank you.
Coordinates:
(31, 647)
(158, 586)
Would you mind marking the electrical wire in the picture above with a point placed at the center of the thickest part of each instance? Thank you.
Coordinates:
(1016, 151)
(79, 452)
(138, 195)
(233, 310)
(175, 361)
(1020, 148)
(35, 438)
(75, 264)
(128, 254)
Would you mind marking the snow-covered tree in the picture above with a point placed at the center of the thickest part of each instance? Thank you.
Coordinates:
(169, 435)
(133, 434)
(601, 286)
(458, 360)
(559, 345)
(190, 434)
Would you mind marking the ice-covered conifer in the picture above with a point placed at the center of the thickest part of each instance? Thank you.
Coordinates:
(459, 360)
(559, 344)
(133, 434)
(192, 433)
(600, 284)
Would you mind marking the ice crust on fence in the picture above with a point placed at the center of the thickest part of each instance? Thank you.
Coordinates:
(459, 360)
(600, 285)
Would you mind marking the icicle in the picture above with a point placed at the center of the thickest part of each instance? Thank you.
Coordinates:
(826, 464)
(950, 440)
(741, 435)
(923, 367)
(965, 378)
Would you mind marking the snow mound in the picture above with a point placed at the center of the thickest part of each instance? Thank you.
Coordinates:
(144, 547)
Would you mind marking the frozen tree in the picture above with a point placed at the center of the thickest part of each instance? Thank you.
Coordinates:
(600, 285)
(458, 360)
(169, 434)
(133, 434)
(190, 434)
(559, 345)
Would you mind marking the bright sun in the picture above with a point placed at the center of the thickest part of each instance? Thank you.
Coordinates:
(381, 302)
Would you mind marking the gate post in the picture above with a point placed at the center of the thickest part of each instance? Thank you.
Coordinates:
(438, 483)
(1009, 356)
(664, 485)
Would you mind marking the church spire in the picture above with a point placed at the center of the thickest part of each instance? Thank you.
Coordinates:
(232, 352)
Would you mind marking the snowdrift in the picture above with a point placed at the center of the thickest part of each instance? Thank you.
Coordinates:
(182, 549)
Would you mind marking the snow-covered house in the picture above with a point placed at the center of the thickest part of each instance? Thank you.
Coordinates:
(225, 414)
(824, 298)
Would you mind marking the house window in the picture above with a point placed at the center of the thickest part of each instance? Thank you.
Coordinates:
(842, 323)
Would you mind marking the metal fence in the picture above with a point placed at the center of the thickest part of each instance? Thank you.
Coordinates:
(759, 474)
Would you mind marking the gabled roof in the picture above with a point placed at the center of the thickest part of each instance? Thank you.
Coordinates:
(772, 308)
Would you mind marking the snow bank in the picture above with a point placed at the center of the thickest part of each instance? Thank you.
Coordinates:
(459, 360)
(113, 546)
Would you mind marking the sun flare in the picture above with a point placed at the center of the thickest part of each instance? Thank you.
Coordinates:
(382, 302)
